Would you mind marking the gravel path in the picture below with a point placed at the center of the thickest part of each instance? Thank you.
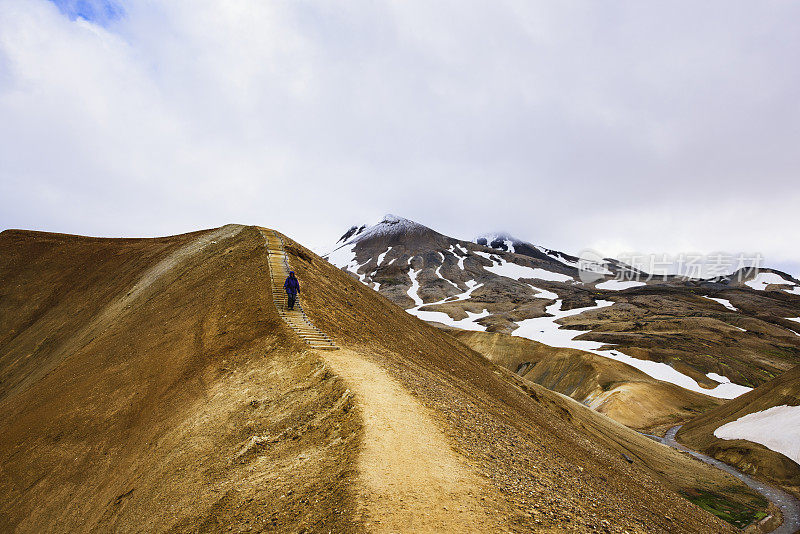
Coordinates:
(789, 505)
(412, 479)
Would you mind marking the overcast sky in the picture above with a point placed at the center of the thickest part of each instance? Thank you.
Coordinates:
(618, 126)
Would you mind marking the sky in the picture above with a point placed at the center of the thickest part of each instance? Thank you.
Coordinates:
(640, 126)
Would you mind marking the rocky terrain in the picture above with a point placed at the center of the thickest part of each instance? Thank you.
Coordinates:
(151, 385)
(719, 337)
(649, 352)
(758, 432)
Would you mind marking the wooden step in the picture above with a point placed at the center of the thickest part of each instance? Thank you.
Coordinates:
(296, 319)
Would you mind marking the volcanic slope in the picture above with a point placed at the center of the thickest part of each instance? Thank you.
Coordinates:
(557, 460)
(150, 385)
(698, 334)
(762, 460)
(612, 388)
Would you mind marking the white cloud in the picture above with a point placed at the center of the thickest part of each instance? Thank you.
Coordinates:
(571, 125)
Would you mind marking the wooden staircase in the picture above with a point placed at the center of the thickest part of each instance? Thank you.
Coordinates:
(296, 319)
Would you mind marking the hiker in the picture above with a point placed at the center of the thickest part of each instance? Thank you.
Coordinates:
(292, 287)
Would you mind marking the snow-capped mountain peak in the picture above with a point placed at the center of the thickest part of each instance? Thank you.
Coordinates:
(498, 240)
(389, 225)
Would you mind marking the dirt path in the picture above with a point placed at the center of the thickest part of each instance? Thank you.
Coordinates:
(412, 480)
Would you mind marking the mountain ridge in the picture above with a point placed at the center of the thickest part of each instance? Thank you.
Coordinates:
(198, 395)
(708, 335)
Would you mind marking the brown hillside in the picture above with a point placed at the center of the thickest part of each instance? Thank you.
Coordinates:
(750, 457)
(150, 385)
(612, 388)
(522, 437)
(130, 394)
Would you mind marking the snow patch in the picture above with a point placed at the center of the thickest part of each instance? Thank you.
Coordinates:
(543, 293)
(619, 285)
(546, 330)
(662, 371)
(583, 264)
(472, 285)
(762, 280)
(439, 272)
(794, 291)
(515, 271)
(452, 250)
(724, 302)
(796, 319)
(777, 428)
(343, 256)
(413, 291)
(718, 378)
(507, 240)
(441, 317)
(383, 255)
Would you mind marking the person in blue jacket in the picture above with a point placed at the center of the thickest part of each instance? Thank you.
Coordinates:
(292, 287)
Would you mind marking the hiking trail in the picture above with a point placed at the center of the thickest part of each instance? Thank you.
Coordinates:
(411, 478)
(297, 318)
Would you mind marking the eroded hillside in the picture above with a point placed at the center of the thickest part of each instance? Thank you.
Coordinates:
(750, 456)
(613, 388)
(149, 384)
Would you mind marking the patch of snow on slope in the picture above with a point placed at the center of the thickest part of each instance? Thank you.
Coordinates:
(439, 272)
(472, 285)
(383, 255)
(441, 317)
(762, 280)
(343, 256)
(413, 291)
(724, 302)
(662, 371)
(543, 293)
(583, 264)
(794, 291)
(558, 257)
(452, 250)
(516, 271)
(619, 285)
(777, 428)
(796, 319)
(718, 378)
(507, 240)
(546, 330)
